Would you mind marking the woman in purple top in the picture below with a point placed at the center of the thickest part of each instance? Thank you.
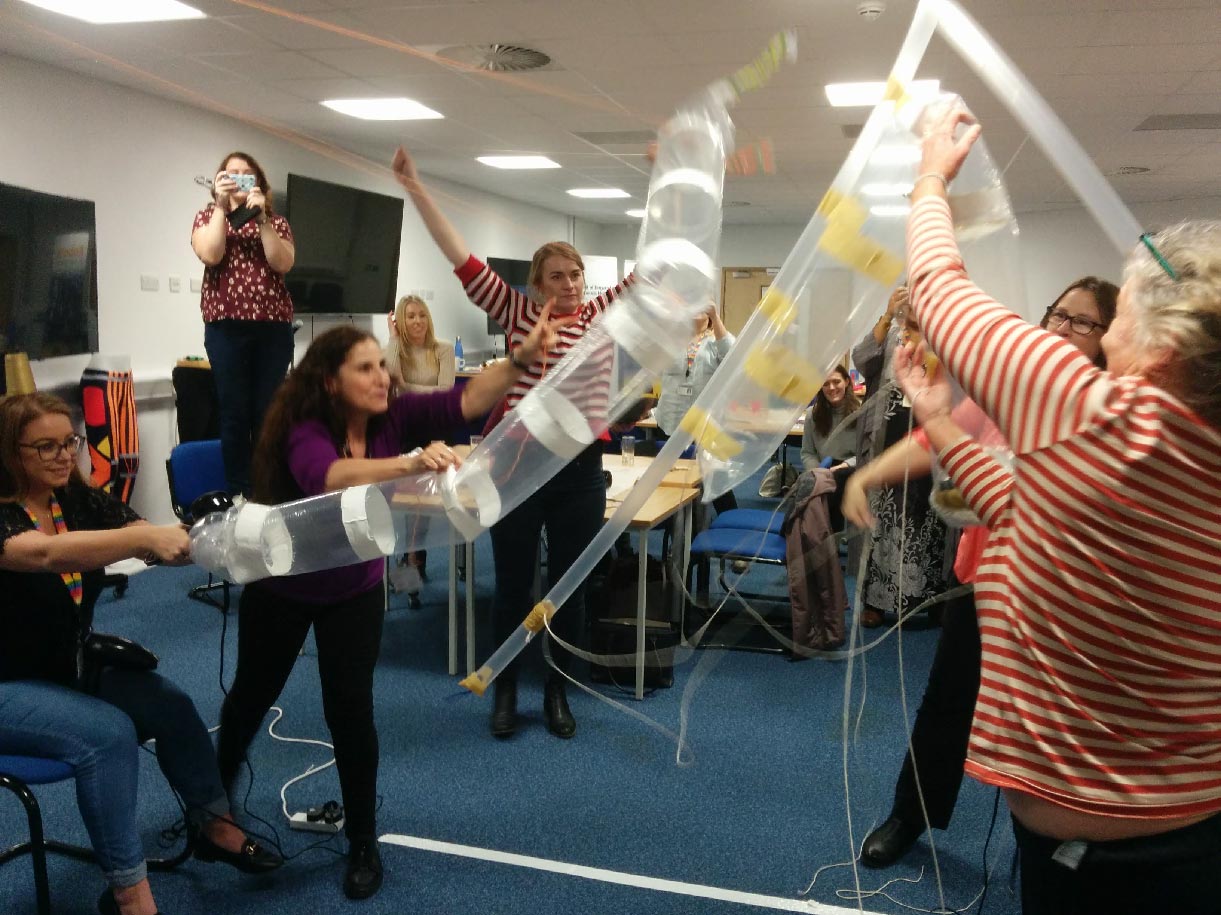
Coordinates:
(332, 425)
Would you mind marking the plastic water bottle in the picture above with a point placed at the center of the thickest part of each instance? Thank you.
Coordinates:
(459, 362)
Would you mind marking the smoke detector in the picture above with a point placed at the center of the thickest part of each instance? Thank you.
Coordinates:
(870, 9)
(497, 58)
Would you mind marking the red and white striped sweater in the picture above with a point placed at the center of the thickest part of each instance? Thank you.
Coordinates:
(1099, 594)
(518, 315)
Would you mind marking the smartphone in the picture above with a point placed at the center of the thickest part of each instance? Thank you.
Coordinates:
(244, 182)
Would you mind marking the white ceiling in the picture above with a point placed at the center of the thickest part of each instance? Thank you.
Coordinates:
(623, 65)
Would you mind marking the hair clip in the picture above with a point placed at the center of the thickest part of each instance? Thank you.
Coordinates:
(1157, 255)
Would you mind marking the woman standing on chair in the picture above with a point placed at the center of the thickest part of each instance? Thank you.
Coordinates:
(417, 361)
(332, 425)
(246, 249)
(57, 533)
(571, 504)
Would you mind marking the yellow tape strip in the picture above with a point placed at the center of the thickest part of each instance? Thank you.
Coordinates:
(537, 618)
(709, 436)
(863, 255)
(781, 371)
(757, 73)
(779, 308)
(896, 92)
(840, 209)
(478, 681)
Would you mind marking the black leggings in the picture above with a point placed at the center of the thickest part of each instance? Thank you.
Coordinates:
(1171, 872)
(271, 631)
(570, 506)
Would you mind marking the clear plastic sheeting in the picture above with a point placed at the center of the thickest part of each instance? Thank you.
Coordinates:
(601, 378)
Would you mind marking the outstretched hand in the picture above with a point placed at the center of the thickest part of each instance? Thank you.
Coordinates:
(545, 335)
(943, 154)
(920, 377)
(404, 170)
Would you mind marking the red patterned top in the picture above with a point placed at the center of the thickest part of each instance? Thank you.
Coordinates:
(243, 286)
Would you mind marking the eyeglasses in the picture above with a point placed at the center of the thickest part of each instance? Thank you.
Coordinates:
(49, 451)
(1080, 325)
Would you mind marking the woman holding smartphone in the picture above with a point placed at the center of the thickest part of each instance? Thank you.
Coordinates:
(246, 249)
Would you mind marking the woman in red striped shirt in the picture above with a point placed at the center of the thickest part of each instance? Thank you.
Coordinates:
(570, 506)
(1099, 709)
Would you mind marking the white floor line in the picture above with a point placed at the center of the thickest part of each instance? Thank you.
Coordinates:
(634, 880)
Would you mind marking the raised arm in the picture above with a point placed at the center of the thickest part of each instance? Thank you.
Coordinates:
(1037, 387)
(447, 238)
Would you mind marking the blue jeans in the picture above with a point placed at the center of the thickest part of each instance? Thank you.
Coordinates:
(249, 360)
(100, 736)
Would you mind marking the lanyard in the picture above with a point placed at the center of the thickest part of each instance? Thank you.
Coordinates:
(71, 579)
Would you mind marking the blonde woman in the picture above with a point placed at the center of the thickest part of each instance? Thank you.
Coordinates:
(416, 360)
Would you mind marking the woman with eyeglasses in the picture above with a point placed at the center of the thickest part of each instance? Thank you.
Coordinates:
(57, 533)
(931, 775)
(1099, 593)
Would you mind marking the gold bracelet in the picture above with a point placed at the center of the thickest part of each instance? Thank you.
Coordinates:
(940, 177)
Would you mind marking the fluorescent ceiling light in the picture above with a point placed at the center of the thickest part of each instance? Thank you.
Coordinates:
(895, 155)
(866, 95)
(635, 214)
(517, 161)
(598, 192)
(891, 209)
(112, 11)
(881, 189)
(383, 109)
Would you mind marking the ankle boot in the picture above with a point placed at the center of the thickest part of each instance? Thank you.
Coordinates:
(555, 709)
(504, 713)
(363, 877)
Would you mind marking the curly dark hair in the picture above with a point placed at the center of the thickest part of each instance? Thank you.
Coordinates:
(303, 395)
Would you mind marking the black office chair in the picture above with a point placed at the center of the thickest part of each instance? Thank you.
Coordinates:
(17, 774)
(197, 469)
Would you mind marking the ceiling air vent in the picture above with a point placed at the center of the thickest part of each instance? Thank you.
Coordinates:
(1130, 170)
(1181, 122)
(498, 58)
(635, 140)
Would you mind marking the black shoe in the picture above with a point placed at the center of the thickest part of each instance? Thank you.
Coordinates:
(504, 713)
(364, 874)
(555, 710)
(413, 601)
(107, 905)
(252, 859)
(888, 843)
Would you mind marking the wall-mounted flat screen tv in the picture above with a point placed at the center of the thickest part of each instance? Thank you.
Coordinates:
(514, 272)
(347, 243)
(48, 274)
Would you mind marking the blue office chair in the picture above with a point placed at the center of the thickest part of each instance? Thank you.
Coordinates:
(728, 544)
(194, 469)
(17, 774)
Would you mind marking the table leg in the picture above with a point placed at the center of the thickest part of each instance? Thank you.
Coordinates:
(453, 608)
(470, 605)
(642, 548)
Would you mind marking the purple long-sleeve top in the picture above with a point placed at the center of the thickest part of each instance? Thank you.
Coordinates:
(413, 420)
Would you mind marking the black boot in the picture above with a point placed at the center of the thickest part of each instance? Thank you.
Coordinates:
(889, 842)
(555, 709)
(504, 713)
(364, 874)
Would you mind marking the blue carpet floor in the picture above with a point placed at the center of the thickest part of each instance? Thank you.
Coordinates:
(758, 807)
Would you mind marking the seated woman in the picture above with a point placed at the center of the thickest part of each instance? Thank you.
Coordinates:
(332, 425)
(1099, 619)
(827, 440)
(417, 361)
(57, 534)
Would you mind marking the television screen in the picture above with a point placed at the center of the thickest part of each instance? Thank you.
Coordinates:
(514, 272)
(347, 244)
(48, 274)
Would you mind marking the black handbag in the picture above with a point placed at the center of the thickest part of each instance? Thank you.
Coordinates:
(101, 650)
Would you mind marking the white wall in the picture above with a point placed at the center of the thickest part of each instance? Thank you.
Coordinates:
(135, 156)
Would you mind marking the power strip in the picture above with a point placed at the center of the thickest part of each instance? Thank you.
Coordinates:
(300, 821)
